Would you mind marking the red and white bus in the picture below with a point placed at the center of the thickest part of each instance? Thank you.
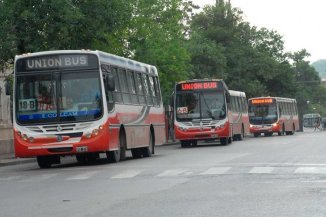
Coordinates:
(83, 103)
(270, 115)
(207, 110)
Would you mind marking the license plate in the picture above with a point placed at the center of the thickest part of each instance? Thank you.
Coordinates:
(214, 135)
(82, 149)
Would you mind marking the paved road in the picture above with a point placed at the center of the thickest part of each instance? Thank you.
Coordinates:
(265, 176)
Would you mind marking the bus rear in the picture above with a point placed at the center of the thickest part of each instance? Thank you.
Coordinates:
(200, 111)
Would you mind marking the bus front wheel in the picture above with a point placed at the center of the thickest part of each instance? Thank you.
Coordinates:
(224, 141)
(119, 154)
(47, 161)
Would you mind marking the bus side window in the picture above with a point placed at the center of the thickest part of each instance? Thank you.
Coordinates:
(140, 89)
(117, 93)
(157, 91)
(108, 94)
(124, 87)
(147, 89)
(152, 90)
(132, 87)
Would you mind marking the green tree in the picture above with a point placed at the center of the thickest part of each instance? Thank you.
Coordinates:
(157, 37)
(31, 26)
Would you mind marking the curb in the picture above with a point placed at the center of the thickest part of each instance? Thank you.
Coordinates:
(15, 161)
(170, 143)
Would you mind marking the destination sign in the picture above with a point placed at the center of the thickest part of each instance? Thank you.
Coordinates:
(56, 62)
(262, 101)
(198, 86)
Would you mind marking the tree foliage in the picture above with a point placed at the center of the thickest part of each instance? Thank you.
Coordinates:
(214, 43)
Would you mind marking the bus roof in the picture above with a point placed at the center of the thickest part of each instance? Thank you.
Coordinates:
(237, 93)
(103, 57)
(312, 115)
(278, 99)
(199, 80)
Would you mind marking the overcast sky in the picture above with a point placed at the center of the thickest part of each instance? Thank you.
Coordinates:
(300, 22)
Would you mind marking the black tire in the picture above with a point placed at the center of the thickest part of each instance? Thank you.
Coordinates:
(281, 133)
(81, 158)
(119, 154)
(136, 153)
(184, 144)
(256, 134)
(224, 141)
(194, 143)
(293, 130)
(148, 151)
(44, 162)
(241, 135)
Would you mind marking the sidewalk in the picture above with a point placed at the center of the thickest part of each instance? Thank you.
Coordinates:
(9, 159)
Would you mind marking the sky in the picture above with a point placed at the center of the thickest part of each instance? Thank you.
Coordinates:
(300, 22)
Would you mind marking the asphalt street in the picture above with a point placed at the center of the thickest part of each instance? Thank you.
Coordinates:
(264, 176)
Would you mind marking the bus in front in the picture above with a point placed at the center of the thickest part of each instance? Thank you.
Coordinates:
(84, 103)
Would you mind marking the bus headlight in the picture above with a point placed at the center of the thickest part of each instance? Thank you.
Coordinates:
(220, 126)
(25, 137)
(274, 125)
(31, 139)
(95, 132)
(88, 135)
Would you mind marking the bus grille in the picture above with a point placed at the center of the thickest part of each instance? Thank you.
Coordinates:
(203, 123)
(57, 128)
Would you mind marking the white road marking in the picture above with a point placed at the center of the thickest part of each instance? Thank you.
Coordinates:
(311, 170)
(216, 171)
(174, 172)
(39, 178)
(262, 170)
(83, 176)
(10, 178)
(127, 174)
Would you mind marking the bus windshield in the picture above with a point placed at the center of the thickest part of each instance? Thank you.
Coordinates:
(200, 105)
(311, 120)
(51, 97)
(262, 113)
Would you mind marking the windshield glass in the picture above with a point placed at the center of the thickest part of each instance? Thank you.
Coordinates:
(311, 122)
(262, 113)
(53, 97)
(200, 105)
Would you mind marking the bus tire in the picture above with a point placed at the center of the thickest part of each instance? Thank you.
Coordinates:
(256, 134)
(293, 130)
(81, 158)
(119, 154)
(282, 132)
(241, 135)
(46, 161)
(194, 143)
(184, 143)
(224, 141)
(136, 153)
(148, 151)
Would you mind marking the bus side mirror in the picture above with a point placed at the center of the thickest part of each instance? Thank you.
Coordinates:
(110, 82)
(228, 97)
(7, 87)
